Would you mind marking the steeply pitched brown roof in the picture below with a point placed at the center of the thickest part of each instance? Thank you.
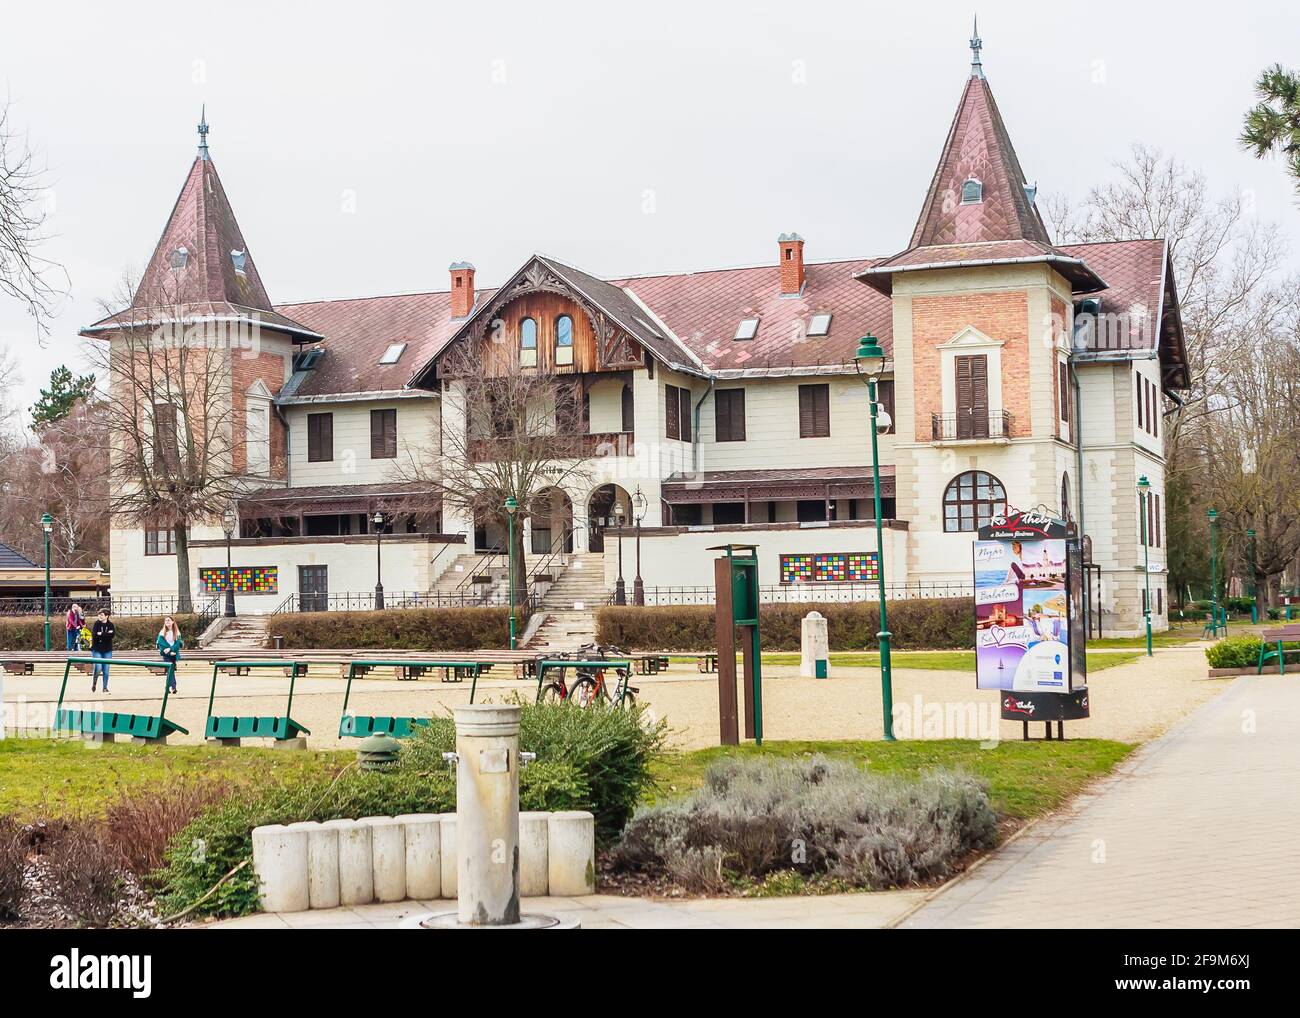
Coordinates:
(215, 279)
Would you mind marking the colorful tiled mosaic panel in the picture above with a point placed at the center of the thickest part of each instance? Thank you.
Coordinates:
(830, 567)
(247, 580)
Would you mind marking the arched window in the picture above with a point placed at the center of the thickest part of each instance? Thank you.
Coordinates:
(528, 343)
(564, 340)
(1065, 497)
(629, 413)
(971, 500)
(972, 191)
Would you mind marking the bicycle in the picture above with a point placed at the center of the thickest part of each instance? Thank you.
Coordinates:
(589, 684)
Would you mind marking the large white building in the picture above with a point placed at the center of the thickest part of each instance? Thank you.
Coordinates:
(1018, 372)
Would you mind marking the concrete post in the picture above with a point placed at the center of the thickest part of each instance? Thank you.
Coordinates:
(814, 645)
(280, 862)
(356, 863)
(487, 814)
(534, 875)
(571, 853)
(423, 855)
(322, 864)
(448, 850)
(388, 855)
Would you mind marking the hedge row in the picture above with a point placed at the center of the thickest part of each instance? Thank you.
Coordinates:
(133, 632)
(404, 629)
(935, 624)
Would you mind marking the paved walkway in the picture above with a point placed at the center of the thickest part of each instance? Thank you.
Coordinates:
(1200, 828)
(610, 912)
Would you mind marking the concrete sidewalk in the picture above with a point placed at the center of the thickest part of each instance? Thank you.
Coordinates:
(611, 912)
(1197, 829)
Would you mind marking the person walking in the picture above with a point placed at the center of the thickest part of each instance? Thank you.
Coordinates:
(101, 647)
(169, 645)
(73, 622)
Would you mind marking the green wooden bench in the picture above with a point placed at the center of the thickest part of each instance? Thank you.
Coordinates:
(358, 726)
(229, 729)
(1271, 646)
(110, 724)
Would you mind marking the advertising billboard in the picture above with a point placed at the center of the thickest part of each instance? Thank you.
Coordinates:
(1023, 616)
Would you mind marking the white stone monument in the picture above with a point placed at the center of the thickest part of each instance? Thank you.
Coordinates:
(815, 647)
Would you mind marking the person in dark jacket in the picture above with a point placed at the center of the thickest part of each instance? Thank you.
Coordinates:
(101, 646)
(169, 645)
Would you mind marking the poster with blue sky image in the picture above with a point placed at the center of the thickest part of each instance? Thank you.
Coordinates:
(1022, 616)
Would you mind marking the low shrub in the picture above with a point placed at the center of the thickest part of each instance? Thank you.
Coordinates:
(137, 829)
(404, 629)
(220, 838)
(133, 632)
(610, 748)
(816, 817)
(13, 864)
(83, 879)
(1239, 604)
(1240, 652)
(922, 624)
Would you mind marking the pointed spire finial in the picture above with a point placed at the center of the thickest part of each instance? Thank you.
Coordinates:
(203, 132)
(976, 68)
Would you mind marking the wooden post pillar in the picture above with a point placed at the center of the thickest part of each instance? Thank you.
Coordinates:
(728, 722)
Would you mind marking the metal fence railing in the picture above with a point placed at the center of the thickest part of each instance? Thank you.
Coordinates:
(143, 605)
(394, 600)
(804, 593)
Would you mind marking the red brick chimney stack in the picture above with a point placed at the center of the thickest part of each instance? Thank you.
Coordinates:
(462, 289)
(791, 263)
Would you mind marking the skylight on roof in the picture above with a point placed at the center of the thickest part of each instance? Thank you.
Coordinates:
(972, 192)
(180, 258)
(820, 324)
(747, 329)
(237, 259)
(393, 353)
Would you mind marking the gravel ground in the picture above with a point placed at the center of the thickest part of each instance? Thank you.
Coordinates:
(1130, 703)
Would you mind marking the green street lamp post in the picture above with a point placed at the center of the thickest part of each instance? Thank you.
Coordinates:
(1144, 493)
(47, 525)
(870, 361)
(1254, 588)
(511, 507)
(378, 520)
(1213, 516)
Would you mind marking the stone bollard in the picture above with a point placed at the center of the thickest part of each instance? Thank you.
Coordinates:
(447, 841)
(423, 855)
(487, 814)
(388, 855)
(356, 863)
(534, 836)
(322, 865)
(814, 644)
(571, 853)
(280, 862)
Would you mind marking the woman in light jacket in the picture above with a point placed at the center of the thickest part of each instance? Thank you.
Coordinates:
(169, 645)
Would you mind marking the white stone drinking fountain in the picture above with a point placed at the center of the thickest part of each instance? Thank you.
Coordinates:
(487, 762)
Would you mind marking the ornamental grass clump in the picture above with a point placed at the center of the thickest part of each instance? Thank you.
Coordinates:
(815, 817)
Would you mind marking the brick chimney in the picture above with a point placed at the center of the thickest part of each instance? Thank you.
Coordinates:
(462, 289)
(791, 263)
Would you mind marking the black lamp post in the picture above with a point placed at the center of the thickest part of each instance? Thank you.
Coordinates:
(639, 505)
(1213, 516)
(378, 521)
(870, 362)
(1254, 588)
(1144, 494)
(230, 523)
(47, 525)
(620, 588)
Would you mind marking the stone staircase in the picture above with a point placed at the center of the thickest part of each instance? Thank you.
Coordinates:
(570, 605)
(244, 632)
(563, 631)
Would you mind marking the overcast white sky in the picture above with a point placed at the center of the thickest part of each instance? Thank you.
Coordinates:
(668, 137)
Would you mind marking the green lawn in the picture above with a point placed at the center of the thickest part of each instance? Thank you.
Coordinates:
(928, 660)
(1025, 778)
(70, 776)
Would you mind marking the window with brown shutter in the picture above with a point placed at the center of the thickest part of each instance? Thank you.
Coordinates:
(684, 397)
(1140, 400)
(320, 438)
(814, 411)
(672, 412)
(1063, 390)
(383, 434)
(885, 393)
(729, 415)
(165, 436)
(1157, 519)
(972, 376)
(1153, 411)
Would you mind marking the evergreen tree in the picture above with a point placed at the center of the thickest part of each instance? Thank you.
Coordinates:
(1273, 125)
(57, 401)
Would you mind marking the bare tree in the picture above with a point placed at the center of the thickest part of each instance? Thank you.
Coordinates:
(508, 432)
(24, 274)
(170, 426)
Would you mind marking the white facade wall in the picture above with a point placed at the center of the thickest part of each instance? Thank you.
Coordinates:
(417, 441)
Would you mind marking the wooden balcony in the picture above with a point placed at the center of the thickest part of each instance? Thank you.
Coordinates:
(587, 446)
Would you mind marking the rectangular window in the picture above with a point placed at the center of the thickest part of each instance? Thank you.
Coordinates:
(885, 393)
(728, 513)
(1139, 381)
(815, 411)
(166, 438)
(972, 378)
(1157, 518)
(320, 438)
(1160, 600)
(1063, 388)
(684, 412)
(383, 434)
(729, 415)
(1153, 411)
(673, 411)
(160, 542)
